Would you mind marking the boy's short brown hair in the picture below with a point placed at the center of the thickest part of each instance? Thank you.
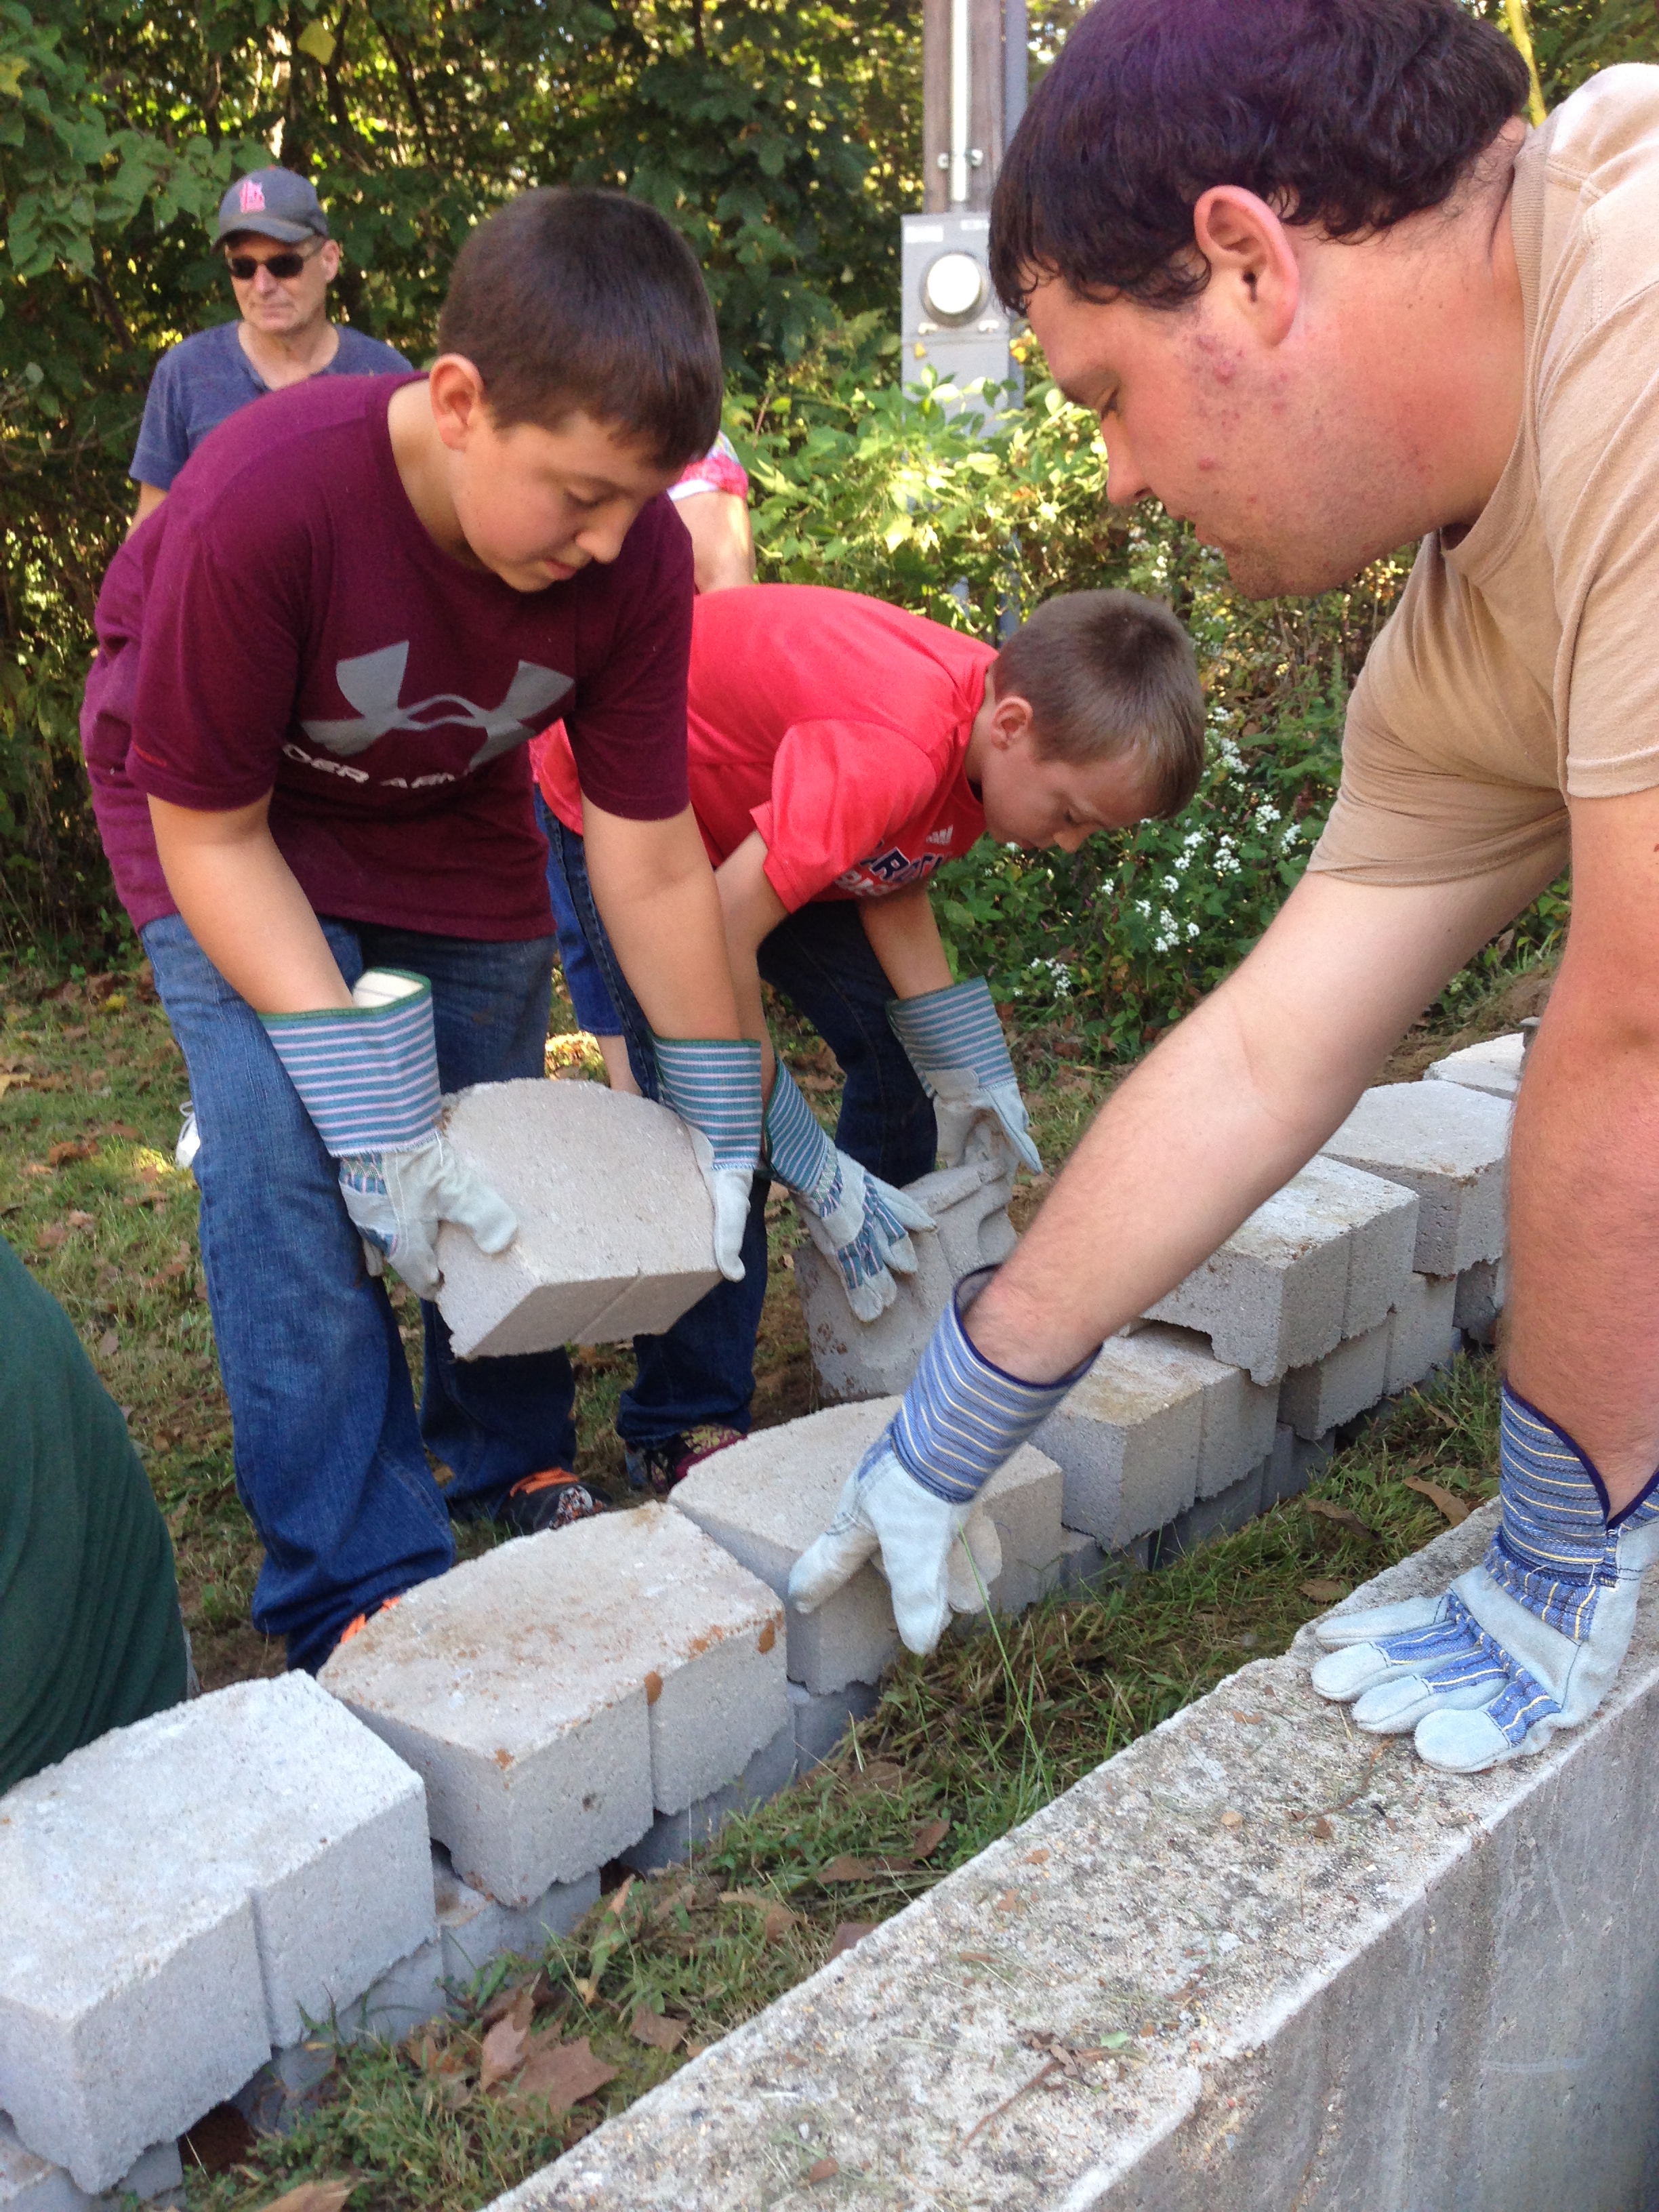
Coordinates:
(1106, 674)
(570, 300)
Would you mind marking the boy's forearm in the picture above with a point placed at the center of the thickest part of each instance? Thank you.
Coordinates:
(905, 940)
(240, 903)
(655, 892)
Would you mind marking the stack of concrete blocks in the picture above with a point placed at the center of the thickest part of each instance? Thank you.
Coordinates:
(1495, 1068)
(765, 1499)
(181, 1899)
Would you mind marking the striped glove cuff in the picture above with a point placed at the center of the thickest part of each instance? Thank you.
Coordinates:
(714, 1083)
(962, 1418)
(368, 1074)
(800, 1154)
(955, 1028)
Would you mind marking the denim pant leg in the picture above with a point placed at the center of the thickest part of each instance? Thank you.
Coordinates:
(590, 1000)
(489, 1421)
(820, 959)
(702, 1370)
(329, 1461)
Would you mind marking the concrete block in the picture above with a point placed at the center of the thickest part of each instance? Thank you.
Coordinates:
(1274, 1296)
(875, 1359)
(1482, 1291)
(402, 1999)
(28, 2184)
(1493, 1066)
(523, 1685)
(475, 1929)
(178, 1895)
(616, 1230)
(1344, 1980)
(1315, 1400)
(1207, 1518)
(821, 1719)
(1449, 1145)
(1420, 1330)
(673, 1837)
(1130, 1437)
(1381, 1218)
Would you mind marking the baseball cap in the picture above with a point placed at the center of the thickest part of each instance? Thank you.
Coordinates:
(275, 203)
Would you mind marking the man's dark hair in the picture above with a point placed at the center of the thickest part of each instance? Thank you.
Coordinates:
(1108, 674)
(571, 300)
(1349, 114)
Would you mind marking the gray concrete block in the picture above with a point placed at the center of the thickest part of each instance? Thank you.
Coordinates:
(28, 2184)
(1449, 1145)
(1493, 1066)
(475, 1929)
(1421, 1331)
(179, 1894)
(821, 1719)
(1347, 1382)
(1381, 1218)
(1274, 1296)
(875, 1359)
(615, 1229)
(1482, 1291)
(1207, 1518)
(673, 1837)
(1128, 1439)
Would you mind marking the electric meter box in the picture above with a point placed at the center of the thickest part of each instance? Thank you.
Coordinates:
(952, 321)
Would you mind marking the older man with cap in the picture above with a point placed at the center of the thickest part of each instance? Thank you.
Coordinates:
(281, 262)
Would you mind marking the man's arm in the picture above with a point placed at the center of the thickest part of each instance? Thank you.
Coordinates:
(243, 906)
(1233, 1102)
(150, 498)
(655, 892)
(1584, 1315)
(904, 937)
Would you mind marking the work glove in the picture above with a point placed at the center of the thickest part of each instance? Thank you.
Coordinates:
(1525, 1644)
(955, 1042)
(368, 1075)
(915, 1492)
(714, 1085)
(854, 1218)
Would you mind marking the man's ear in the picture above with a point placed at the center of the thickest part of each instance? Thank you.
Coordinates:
(1010, 720)
(329, 258)
(1253, 271)
(457, 395)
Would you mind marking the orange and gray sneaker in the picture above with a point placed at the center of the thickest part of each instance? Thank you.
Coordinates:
(552, 1499)
(356, 1627)
(657, 1468)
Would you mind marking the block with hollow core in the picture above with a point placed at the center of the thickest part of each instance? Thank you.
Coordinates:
(874, 1360)
(1420, 1330)
(1494, 1067)
(1482, 1291)
(1449, 1145)
(1347, 1382)
(615, 1229)
(556, 1692)
(765, 1499)
(178, 1895)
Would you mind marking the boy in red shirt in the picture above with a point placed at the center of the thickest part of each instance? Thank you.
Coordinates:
(840, 750)
(319, 665)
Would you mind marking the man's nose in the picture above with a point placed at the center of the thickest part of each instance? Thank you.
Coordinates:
(1124, 482)
(1069, 840)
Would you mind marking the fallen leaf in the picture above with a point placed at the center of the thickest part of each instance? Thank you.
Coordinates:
(123, 1129)
(559, 2075)
(587, 1989)
(82, 1148)
(455, 2091)
(1250, 1720)
(513, 2003)
(855, 1931)
(1231, 1819)
(881, 1774)
(503, 2052)
(928, 1837)
(109, 1342)
(1322, 1828)
(51, 1237)
(695, 2050)
(1340, 1513)
(619, 1901)
(777, 1924)
(78, 1220)
(1323, 1591)
(845, 1868)
(75, 1035)
(823, 2169)
(312, 2196)
(1437, 1495)
(14, 1079)
(657, 2029)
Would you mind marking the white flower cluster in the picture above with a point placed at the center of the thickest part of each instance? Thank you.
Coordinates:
(1054, 974)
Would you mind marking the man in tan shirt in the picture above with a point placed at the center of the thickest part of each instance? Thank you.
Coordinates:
(1327, 294)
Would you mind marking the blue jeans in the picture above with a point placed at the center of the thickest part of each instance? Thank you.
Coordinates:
(703, 1368)
(330, 1461)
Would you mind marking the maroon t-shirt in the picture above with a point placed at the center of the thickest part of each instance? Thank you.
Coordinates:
(284, 623)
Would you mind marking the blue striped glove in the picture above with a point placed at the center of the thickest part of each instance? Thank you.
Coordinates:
(714, 1085)
(955, 1042)
(916, 1489)
(854, 1218)
(1527, 1643)
(368, 1078)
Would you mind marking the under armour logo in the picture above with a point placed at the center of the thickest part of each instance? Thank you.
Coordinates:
(373, 682)
(251, 197)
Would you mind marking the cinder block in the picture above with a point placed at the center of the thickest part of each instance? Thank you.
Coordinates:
(821, 1718)
(1381, 1218)
(404, 1998)
(177, 1894)
(555, 1690)
(28, 2184)
(1494, 1067)
(1130, 1437)
(1482, 1291)
(475, 1929)
(616, 1230)
(1449, 1145)
(875, 1359)
(1207, 1518)
(673, 1837)
(1420, 1330)
(1316, 1399)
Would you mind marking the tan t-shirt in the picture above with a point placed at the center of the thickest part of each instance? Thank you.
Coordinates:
(1523, 663)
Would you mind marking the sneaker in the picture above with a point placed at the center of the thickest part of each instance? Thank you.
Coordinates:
(552, 1499)
(356, 1627)
(657, 1468)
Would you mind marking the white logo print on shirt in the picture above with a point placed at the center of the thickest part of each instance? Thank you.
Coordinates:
(373, 682)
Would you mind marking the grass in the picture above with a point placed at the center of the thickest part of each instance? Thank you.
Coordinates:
(961, 1747)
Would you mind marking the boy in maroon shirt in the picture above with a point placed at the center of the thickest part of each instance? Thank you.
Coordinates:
(318, 665)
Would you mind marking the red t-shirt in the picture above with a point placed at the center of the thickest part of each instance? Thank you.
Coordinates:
(835, 724)
(283, 623)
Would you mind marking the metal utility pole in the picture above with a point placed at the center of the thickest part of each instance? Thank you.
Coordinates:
(974, 72)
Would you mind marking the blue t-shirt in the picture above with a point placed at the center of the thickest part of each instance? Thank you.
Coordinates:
(200, 381)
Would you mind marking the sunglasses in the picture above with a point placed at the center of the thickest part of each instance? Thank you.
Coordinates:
(243, 266)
